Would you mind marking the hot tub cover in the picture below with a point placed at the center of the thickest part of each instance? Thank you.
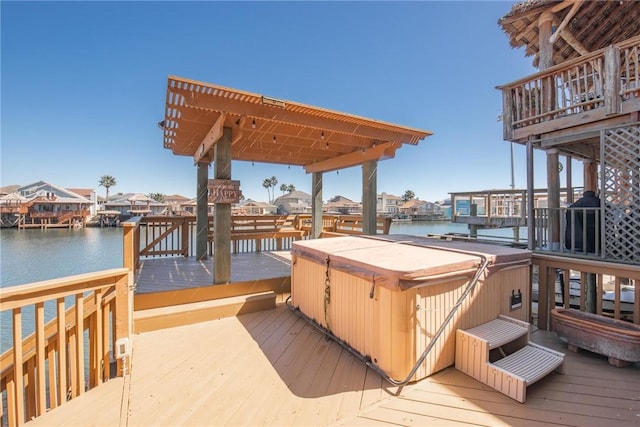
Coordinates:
(399, 262)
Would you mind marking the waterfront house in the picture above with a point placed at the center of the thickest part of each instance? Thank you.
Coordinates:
(8, 189)
(342, 205)
(251, 207)
(387, 204)
(131, 204)
(89, 194)
(174, 204)
(295, 202)
(421, 210)
(48, 206)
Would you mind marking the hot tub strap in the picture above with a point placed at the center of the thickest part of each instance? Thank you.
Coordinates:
(327, 294)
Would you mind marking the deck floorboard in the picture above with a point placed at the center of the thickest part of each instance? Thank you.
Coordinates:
(272, 368)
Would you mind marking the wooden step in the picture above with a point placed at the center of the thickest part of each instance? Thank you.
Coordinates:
(512, 373)
(500, 331)
(531, 363)
(185, 314)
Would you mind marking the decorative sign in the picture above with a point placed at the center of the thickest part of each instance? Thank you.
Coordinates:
(224, 191)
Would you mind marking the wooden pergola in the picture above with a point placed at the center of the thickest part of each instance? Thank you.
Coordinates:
(216, 124)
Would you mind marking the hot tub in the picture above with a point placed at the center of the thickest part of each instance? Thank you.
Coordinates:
(386, 297)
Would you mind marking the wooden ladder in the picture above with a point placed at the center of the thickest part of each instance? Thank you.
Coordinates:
(499, 354)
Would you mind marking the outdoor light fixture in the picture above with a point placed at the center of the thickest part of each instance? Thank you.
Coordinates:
(273, 102)
(274, 139)
(161, 124)
(253, 124)
(327, 147)
(322, 135)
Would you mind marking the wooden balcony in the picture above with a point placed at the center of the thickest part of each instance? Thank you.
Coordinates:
(567, 106)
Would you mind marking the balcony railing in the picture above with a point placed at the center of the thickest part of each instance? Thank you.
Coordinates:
(602, 80)
(79, 326)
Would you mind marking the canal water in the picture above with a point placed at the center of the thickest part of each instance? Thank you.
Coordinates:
(28, 256)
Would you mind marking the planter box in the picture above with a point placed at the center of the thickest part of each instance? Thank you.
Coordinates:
(387, 296)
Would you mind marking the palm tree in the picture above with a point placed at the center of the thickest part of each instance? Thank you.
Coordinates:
(274, 182)
(291, 188)
(270, 184)
(267, 184)
(107, 181)
(283, 188)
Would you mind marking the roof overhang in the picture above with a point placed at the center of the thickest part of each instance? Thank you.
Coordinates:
(580, 26)
(270, 130)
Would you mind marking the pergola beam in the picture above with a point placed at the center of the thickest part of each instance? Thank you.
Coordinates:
(213, 136)
(379, 152)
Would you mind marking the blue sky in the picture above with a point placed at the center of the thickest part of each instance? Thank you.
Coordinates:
(84, 85)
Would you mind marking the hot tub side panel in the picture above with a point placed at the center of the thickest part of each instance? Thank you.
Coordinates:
(490, 298)
(395, 327)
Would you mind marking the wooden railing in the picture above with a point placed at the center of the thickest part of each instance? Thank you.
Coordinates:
(592, 280)
(603, 79)
(162, 236)
(54, 363)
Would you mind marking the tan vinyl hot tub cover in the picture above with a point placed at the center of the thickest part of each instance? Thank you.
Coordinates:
(400, 262)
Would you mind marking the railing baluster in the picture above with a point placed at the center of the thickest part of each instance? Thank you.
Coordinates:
(18, 378)
(62, 352)
(40, 358)
(79, 309)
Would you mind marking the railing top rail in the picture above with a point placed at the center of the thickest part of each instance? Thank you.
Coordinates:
(135, 220)
(567, 64)
(32, 293)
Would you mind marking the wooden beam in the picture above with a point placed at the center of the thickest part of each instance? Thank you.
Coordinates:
(565, 4)
(214, 134)
(574, 43)
(379, 152)
(565, 21)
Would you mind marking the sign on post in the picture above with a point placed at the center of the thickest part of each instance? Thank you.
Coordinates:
(224, 191)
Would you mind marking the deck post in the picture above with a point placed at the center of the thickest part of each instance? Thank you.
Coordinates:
(369, 197)
(222, 213)
(612, 86)
(530, 213)
(202, 211)
(316, 205)
(553, 191)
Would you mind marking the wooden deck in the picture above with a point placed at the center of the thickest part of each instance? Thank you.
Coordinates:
(168, 274)
(272, 368)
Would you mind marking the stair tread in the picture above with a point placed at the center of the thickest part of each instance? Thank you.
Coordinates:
(498, 332)
(530, 363)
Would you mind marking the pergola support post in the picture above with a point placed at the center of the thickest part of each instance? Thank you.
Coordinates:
(222, 213)
(369, 196)
(316, 205)
(202, 210)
